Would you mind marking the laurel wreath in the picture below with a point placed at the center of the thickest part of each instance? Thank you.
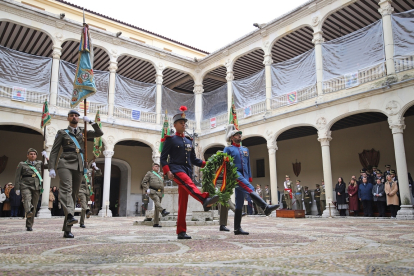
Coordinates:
(209, 174)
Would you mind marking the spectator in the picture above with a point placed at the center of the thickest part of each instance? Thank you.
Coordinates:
(341, 197)
(6, 203)
(391, 189)
(55, 210)
(51, 200)
(378, 191)
(259, 191)
(2, 199)
(353, 196)
(365, 196)
(15, 201)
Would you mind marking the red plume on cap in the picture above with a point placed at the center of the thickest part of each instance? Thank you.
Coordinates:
(183, 108)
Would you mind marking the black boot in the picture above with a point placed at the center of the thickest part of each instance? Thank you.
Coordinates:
(224, 228)
(68, 235)
(71, 220)
(208, 202)
(183, 236)
(88, 213)
(237, 223)
(268, 209)
(164, 213)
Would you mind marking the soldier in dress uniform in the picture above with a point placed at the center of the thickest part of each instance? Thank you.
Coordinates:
(307, 200)
(387, 171)
(323, 197)
(84, 195)
(70, 167)
(288, 192)
(379, 175)
(145, 201)
(241, 160)
(317, 198)
(153, 183)
(179, 168)
(267, 195)
(28, 182)
(299, 195)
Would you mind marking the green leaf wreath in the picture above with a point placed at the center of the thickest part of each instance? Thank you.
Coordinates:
(209, 173)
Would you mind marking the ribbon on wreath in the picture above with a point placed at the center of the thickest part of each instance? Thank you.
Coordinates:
(222, 168)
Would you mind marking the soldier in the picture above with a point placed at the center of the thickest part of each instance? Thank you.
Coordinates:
(323, 197)
(178, 167)
(387, 171)
(288, 192)
(267, 195)
(242, 162)
(84, 195)
(28, 181)
(299, 195)
(70, 168)
(379, 175)
(145, 201)
(153, 183)
(307, 200)
(317, 199)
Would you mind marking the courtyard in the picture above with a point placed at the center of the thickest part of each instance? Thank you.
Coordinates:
(275, 246)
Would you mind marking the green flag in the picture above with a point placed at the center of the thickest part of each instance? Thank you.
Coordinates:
(165, 131)
(233, 115)
(46, 119)
(97, 142)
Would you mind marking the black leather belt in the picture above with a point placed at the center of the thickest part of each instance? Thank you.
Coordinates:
(73, 150)
(158, 190)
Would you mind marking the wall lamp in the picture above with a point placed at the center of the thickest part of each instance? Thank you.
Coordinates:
(62, 15)
(118, 34)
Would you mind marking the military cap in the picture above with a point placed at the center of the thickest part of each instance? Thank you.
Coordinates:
(231, 131)
(298, 181)
(180, 116)
(392, 171)
(155, 164)
(362, 170)
(306, 187)
(287, 176)
(379, 172)
(73, 111)
(317, 185)
(31, 150)
(374, 167)
(323, 180)
(387, 166)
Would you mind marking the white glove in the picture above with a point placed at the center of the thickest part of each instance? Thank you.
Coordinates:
(87, 120)
(94, 166)
(314, 200)
(52, 173)
(44, 153)
(17, 192)
(148, 191)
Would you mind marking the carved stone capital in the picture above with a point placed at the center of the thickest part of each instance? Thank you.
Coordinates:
(385, 7)
(108, 153)
(229, 65)
(158, 78)
(321, 123)
(114, 54)
(272, 145)
(198, 89)
(229, 76)
(396, 125)
(324, 137)
(59, 39)
(113, 66)
(318, 38)
(160, 67)
(57, 52)
(268, 60)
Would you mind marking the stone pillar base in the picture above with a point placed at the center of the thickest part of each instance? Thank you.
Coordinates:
(44, 212)
(105, 213)
(334, 212)
(406, 212)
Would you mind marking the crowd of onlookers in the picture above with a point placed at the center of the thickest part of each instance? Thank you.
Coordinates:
(11, 204)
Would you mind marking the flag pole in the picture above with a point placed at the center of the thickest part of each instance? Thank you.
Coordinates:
(86, 137)
(44, 148)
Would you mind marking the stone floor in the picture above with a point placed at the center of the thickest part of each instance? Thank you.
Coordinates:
(275, 246)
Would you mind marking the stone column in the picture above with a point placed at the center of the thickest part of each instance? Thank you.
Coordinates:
(158, 80)
(198, 94)
(386, 10)
(318, 40)
(44, 211)
(113, 66)
(229, 78)
(324, 137)
(268, 73)
(104, 212)
(406, 211)
(54, 80)
(272, 148)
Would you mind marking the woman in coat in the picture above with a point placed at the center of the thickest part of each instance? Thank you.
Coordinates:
(378, 191)
(6, 203)
(365, 196)
(391, 189)
(341, 197)
(15, 201)
(51, 199)
(353, 196)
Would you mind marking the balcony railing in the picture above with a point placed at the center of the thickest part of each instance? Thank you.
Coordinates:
(404, 63)
(256, 108)
(221, 119)
(302, 94)
(93, 107)
(33, 97)
(126, 113)
(364, 75)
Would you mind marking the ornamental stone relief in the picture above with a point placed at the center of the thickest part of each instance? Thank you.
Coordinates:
(321, 123)
(392, 107)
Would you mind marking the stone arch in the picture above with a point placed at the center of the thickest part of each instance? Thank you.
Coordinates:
(342, 116)
(138, 140)
(178, 79)
(22, 125)
(213, 145)
(404, 109)
(287, 128)
(128, 62)
(254, 57)
(214, 78)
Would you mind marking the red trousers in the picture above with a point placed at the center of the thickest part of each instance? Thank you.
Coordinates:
(186, 187)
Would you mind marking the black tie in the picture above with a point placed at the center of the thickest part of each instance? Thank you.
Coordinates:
(74, 131)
